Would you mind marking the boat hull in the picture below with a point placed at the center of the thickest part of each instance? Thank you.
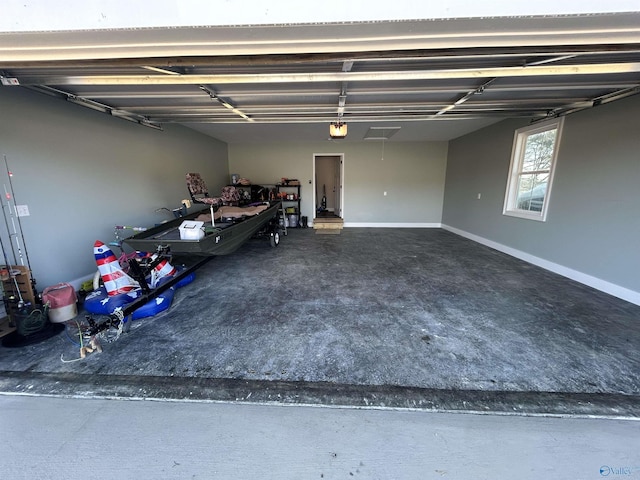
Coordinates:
(225, 238)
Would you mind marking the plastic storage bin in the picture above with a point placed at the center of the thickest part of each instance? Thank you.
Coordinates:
(191, 230)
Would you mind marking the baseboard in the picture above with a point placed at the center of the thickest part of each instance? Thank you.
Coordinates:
(591, 281)
(392, 225)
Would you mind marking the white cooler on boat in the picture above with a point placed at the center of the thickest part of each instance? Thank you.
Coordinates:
(62, 302)
(191, 230)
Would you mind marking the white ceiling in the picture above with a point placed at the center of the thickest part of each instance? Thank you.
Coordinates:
(435, 78)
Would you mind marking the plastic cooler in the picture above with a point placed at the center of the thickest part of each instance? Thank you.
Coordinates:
(62, 302)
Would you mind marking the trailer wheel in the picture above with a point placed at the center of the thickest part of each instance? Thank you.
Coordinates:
(274, 238)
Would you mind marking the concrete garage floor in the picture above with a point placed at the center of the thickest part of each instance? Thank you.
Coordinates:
(409, 318)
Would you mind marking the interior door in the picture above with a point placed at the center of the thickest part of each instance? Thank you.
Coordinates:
(328, 185)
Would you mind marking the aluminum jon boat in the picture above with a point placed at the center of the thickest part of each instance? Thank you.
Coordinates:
(225, 237)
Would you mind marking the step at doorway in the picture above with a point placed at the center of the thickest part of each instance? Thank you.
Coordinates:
(328, 225)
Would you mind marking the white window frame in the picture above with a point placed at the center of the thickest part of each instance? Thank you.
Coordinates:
(515, 169)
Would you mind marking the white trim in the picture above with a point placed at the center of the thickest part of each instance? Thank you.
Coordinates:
(341, 186)
(392, 225)
(594, 282)
(522, 214)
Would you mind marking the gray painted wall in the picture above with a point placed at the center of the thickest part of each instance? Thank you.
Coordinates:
(593, 224)
(81, 172)
(411, 173)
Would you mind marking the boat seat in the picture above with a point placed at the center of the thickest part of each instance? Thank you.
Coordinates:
(198, 190)
(230, 195)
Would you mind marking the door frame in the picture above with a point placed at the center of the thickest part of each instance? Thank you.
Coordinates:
(341, 179)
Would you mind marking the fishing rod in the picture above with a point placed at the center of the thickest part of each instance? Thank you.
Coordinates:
(13, 224)
(11, 274)
(12, 195)
(6, 224)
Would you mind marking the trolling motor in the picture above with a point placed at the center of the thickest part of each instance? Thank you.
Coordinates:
(179, 212)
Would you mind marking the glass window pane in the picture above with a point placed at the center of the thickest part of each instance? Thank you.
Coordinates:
(538, 151)
(531, 169)
(532, 189)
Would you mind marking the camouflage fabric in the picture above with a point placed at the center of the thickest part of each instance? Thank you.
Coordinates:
(198, 190)
(230, 195)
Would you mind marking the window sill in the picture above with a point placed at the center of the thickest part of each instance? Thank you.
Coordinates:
(538, 217)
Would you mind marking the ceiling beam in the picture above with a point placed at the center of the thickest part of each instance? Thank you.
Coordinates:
(267, 78)
(235, 40)
(421, 117)
(355, 92)
(479, 53)
(382, 107)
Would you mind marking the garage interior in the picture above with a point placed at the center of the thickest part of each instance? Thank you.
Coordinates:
(430, 298)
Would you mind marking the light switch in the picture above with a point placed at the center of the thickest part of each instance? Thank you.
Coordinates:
(22, 210)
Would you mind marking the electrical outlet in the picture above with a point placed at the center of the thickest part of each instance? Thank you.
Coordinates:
(479, 196)
(385, 194)
(22, 210)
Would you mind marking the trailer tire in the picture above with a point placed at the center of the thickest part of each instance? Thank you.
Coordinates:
(274, 238)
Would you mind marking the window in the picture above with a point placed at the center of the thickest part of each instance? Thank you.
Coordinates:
(533, 159)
